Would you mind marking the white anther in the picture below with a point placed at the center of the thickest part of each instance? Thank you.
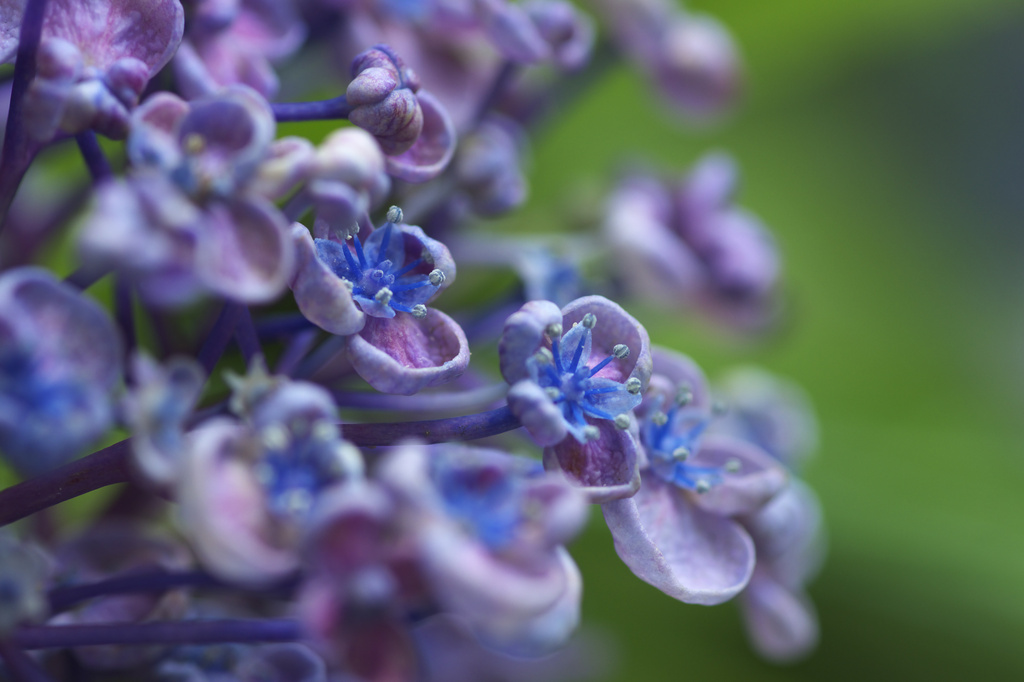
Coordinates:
(680, 454)
(275, 437)
(719, 408)
(383, 296)
(395, 215)
(633, 385)
(622, 421)
(684, 395)
(194, 143)
(436, 277)
(348, 285)
(543, 357)
(419, 311)
(591, 432)
(659, 418)
(324, 431)
(553, 392)
(589, 320)
(298, 500)
(620, 351)
(732, 466)
(553, 330)
(702, 486)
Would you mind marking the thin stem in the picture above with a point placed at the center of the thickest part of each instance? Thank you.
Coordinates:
(245, 335)
(167, 632)
(124, 312)
(506, 73)
(454, 401)
(85, 276)
(434, 430)
(21, 665)
(64, 598)
(18, 149)
(322, 110)
(92, 472)
(95, 160)
(282, 325)
(297, 347)
(219, 336)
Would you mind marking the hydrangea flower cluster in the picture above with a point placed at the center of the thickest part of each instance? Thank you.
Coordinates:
(254, 325)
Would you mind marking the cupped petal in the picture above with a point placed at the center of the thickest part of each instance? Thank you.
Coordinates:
(678, 372)
(404, 354)
(537, 413)
(757, 480)
(687, 553)
(222, 508)
(287, 163)
(604, 469)
(782, 623)
(614, 326)
(512, 32)
(152, 140)
(434, 147)
(71, 331)
(523, 335)
(323, 297)
(243, 251)
(789, 533)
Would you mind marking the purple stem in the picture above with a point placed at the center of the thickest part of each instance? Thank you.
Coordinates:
(282, 325)
(219, 336)
(63, 598)
(92, 472)
(452, 401)
(322, 110)
(95, 160)
(295, 351)
(85, 276)
(18, 150)
(245, 335)
(21, 665)
(434, 430)
(166, 632)
(124, 313)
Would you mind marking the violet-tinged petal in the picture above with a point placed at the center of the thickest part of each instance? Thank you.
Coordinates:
(153, 142)
(405, 354)
(710, 187)
(349, 528)
(757, 479)
(243, 251)
(432, 150)
(773, 413)
(652, 260)
(741, 256)
(535, 411)
(322, 297)
(488, 166)
(789, 533)
(614, 326)
(687, 553)
(781, 622)
(567, 30)
(512, 32)
(697, 67)
(678, 372)
(287, 163)
(156, 408)
(604, 469)
(282, 662)
(523, 335)
(222, 508)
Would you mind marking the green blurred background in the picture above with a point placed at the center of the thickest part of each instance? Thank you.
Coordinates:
(882, 141)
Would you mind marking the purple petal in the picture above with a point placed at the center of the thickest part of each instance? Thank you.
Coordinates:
(223, 508)
(781, 623)
(677, 371)
(538, 415)
(243, 251)
(523, 335)
(404, 354)
(321, 295)
(434, 148)
(614, 326)
(605, 469)
(513, 33)
(759, 479)
(152, 140)
(689, 554)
